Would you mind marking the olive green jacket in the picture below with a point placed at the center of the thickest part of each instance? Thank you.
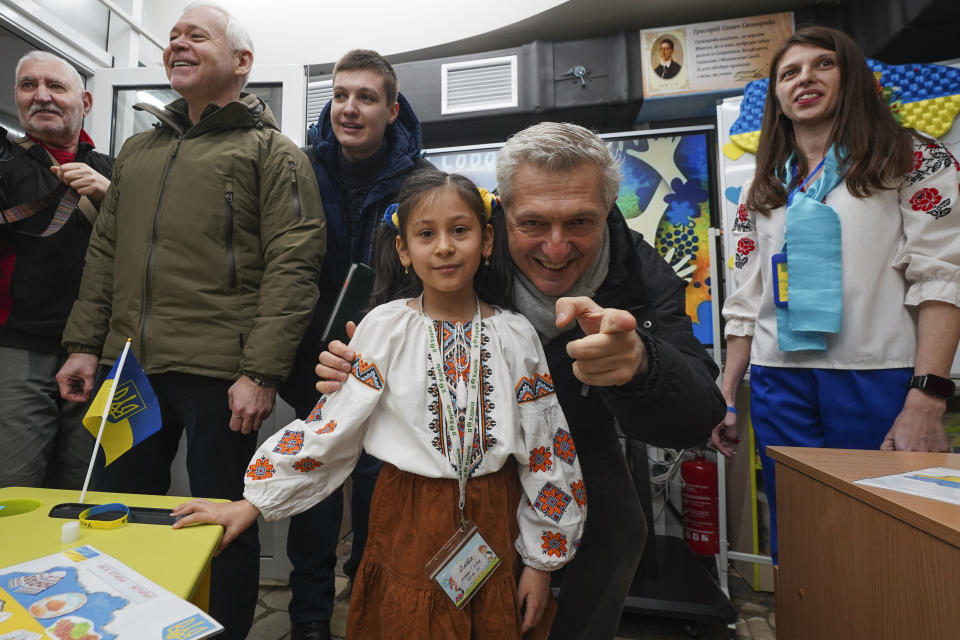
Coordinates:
(207, 248)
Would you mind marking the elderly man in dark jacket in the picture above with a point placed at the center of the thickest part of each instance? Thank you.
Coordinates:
(365, 144)
(44, 442)
(610, 314)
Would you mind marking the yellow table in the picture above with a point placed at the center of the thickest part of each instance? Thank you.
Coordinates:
(177, 560)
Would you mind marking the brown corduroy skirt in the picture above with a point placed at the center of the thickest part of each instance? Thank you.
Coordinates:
(411, 518)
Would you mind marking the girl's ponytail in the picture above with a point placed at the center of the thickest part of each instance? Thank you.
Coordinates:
(392, 280)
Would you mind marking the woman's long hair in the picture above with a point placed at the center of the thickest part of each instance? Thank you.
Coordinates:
(493, 284)
(878, 151)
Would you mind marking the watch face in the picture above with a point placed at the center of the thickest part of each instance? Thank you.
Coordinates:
(934, 385)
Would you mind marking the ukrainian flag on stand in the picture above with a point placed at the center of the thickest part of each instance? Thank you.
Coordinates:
(134, 413)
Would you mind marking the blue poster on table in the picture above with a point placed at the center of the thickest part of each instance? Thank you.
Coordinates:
(83, 594)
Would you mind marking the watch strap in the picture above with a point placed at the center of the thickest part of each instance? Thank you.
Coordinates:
(259, 380)
(933, 385)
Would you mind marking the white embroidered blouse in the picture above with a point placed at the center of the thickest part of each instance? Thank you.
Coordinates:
(390, 407)
(900, 247)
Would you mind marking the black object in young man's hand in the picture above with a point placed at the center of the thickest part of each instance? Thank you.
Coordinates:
(351, 303)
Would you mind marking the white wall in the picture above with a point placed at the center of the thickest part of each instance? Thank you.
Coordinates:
(319, 32)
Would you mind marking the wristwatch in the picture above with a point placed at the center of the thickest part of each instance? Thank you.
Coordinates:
(933, 385)
(260, 381)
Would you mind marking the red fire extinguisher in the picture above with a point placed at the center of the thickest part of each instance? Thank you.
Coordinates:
(700, 514)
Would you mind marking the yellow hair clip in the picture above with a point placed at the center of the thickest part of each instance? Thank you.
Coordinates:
(390, 216)
(489, 200)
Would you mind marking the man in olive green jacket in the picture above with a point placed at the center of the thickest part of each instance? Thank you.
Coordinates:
(206, 253)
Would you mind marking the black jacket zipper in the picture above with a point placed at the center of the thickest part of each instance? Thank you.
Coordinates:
(296, 189)
(231, 258)
(147, 289)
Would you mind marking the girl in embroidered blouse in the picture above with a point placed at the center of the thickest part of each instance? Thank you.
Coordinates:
(494, 407)
(862, 211)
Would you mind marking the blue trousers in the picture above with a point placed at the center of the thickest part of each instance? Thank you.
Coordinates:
(216, 461)
(833, 408)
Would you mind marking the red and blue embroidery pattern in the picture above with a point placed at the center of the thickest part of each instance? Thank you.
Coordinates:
(261, 469)
(552, 501)
(483, 438)
(307, 464)
(315, 415)
(327, 428)
(563, 446)
(540, 459)
(290, 443)
(579, 493)
(453, 359)
(367, 373)
(554, 544)
(530, 389)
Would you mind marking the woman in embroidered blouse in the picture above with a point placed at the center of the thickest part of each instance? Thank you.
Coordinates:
(863, 211)
(525, 490)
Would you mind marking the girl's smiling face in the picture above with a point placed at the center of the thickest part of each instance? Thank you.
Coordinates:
(444, 242)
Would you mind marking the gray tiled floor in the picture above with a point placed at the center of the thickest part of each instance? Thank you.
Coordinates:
(755, 621)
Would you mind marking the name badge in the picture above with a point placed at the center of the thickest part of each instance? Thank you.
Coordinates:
(463, 565)
(779, 262)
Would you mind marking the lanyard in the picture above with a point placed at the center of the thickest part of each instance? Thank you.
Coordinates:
(804, 183)
(464, 454)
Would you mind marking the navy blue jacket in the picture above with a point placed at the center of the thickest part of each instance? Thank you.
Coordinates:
(404, 150)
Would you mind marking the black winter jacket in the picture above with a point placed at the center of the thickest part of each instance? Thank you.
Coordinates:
(39, 277)
(404, 148)
(404, 151)
(677, 403)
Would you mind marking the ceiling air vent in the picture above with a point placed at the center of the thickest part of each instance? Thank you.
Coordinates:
(478, 85)
(319, 93)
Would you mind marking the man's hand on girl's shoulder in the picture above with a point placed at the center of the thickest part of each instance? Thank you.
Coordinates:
(334, 363)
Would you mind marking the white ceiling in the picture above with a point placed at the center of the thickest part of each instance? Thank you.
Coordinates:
(317, 32)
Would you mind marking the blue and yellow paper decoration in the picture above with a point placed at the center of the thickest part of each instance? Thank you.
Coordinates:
(923, 96)
(745, 130)
(134, 413)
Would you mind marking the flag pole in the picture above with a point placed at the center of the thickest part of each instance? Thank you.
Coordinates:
(103, 420)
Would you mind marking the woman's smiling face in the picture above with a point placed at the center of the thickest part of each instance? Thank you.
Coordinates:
(808, 85)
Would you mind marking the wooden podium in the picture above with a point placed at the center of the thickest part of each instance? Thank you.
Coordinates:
(862, 562)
